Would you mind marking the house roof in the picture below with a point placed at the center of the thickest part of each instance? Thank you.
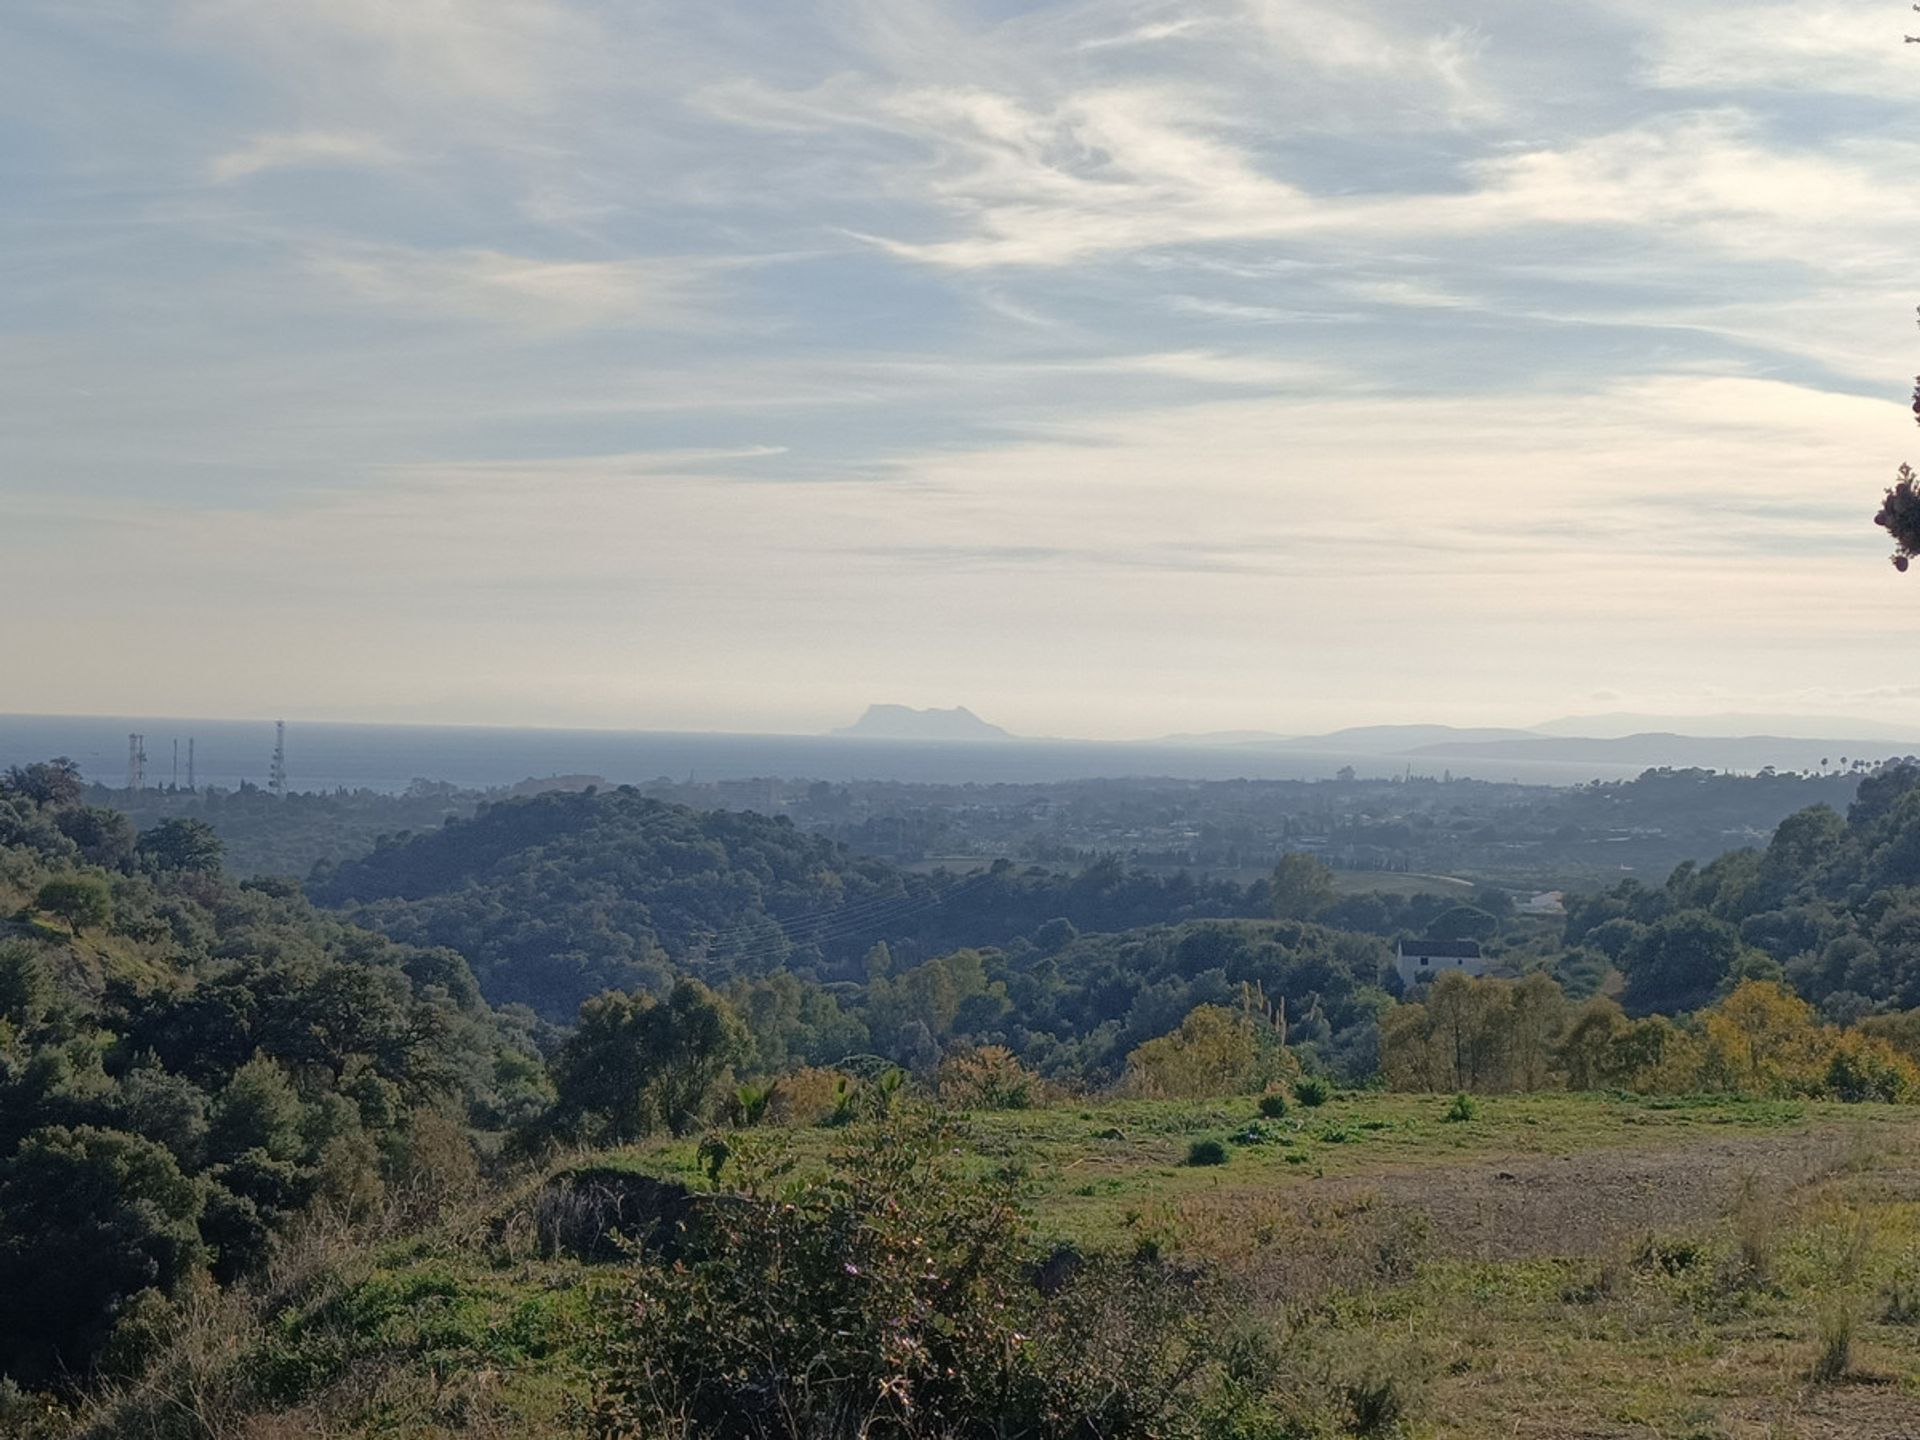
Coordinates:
(1442, 949)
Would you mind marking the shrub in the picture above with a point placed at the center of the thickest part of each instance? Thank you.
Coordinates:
(88, 1219)
(989, 1078)
(1902, 1301)
(1756, 1227)
(1461, 1110)
(1312, 1091)
(1867, 1068)
(1273, 1105)
(1206, 1152)
(805, 1097)
(1836, 1344)
(906, 1311)
(1376, 1405)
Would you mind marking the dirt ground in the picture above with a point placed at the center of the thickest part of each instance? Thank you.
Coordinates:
(1591, 1204)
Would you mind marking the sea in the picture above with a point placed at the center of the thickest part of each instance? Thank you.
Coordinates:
(327, 756)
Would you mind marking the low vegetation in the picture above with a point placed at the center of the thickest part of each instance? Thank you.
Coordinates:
(263, 1167)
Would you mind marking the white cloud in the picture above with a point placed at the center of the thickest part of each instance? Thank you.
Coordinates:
(1805, 45)
(499, 51)
(1402, 67)
(302, 150)
(516, 289)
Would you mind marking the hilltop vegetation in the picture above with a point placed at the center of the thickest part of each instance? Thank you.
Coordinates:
(557, 897)
(323, 1176)
(1832, 904)
(188, 1067)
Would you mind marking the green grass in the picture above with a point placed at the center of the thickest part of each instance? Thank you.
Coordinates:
(466, 1332)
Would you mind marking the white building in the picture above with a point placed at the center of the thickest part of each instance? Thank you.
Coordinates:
(1418, 961)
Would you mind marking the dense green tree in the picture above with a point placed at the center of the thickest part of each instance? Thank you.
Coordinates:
(635, 1064)
(105, 837)
(50, 784)
(26, 992)
(1680, 961)
(89, 1219)
(80, 902)
(181, 844)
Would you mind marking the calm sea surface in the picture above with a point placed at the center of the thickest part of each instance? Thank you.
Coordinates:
(388, 757)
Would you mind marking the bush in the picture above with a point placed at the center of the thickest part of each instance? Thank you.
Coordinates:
(1206, 1152)
(1903, 1301)
(88, 1219)
(1376, 1405)
(1836, 1345)
(989, 1078)
(1312, 1091)
(906, 1311)
(1273, 1105)
(1461, 1110)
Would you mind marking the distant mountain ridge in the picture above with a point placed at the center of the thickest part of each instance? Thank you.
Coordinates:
(1558, 742)
(1707, 752)
(903, 722)
(1617, 725)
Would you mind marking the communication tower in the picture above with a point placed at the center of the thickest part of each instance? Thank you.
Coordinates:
(176, 763)
(136, 762)
(190, 762)
(277, 776)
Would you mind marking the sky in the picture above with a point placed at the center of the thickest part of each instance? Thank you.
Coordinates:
(1112, 368)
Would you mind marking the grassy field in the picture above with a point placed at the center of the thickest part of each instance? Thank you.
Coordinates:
(1548, 1266)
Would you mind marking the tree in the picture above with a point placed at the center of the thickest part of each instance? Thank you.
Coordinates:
(106, 837)
(50, 784)
(26, 993)
(182, 844)
(78, 901)
(1680, 960)
(635, 1064)
(1302, 887)
(1214, 1052)
(89, 1218)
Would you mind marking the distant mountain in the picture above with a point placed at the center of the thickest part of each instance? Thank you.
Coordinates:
(1358, 739)
(1620, 724)
(902, 722)
(1653, 751)
(1404, 739)
(1225, 737)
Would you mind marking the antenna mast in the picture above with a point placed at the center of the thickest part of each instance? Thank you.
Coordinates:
(136, 762)
(190, 762)
(277, 776)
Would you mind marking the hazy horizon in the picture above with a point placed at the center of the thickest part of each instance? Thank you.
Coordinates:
(1592, 726)
(1114, 368)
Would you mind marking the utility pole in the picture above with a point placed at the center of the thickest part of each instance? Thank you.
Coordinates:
(277, 776)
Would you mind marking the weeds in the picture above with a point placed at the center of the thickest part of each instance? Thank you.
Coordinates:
(1756, 1229)
(1836, 1344)
(1461, 1110)
(1902, 1305)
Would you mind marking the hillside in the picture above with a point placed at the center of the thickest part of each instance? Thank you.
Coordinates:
(555, 898)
